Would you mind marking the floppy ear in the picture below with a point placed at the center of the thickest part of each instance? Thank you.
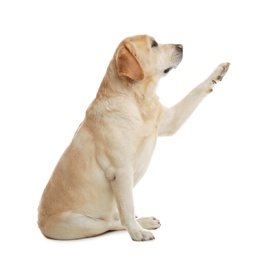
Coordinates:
(128, 65)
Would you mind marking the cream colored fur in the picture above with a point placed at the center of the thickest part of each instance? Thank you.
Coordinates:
(90, 190)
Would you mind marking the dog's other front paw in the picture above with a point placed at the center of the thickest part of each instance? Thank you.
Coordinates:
(220, 72)
(141, 235)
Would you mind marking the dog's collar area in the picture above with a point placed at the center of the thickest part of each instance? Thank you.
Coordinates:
(167, 70)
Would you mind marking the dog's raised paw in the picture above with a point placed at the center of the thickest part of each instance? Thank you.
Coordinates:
(220, 72)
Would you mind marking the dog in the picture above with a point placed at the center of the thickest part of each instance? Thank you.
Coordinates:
(90, 190)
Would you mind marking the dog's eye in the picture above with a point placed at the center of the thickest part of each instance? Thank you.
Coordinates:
(154, 44)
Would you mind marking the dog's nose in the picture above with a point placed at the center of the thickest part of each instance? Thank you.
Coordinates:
(179, 47)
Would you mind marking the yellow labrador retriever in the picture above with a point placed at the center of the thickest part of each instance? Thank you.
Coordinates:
(90, 191)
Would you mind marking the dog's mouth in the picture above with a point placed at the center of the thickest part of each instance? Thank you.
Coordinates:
(173, 67)
(167, 70)
(176, 58)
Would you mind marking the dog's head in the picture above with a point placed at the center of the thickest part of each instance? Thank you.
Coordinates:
(140, 57)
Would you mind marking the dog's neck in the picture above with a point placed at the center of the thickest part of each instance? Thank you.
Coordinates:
(115, 87)
(113, 84)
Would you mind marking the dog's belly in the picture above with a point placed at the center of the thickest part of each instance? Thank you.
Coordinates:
(144, 154)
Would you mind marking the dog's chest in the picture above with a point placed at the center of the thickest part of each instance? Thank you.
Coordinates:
(143, 156)
(147, 136)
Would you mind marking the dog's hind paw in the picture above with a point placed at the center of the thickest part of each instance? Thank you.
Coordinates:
(149, 222)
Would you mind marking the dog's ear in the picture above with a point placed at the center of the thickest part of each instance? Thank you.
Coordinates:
(127, 63)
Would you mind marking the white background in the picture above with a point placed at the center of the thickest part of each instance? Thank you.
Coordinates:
(201, 183)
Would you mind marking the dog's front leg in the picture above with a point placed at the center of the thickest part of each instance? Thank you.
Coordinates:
(173, 118)
(122, 185)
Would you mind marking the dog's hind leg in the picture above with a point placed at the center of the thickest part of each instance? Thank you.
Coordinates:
(69, 225)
